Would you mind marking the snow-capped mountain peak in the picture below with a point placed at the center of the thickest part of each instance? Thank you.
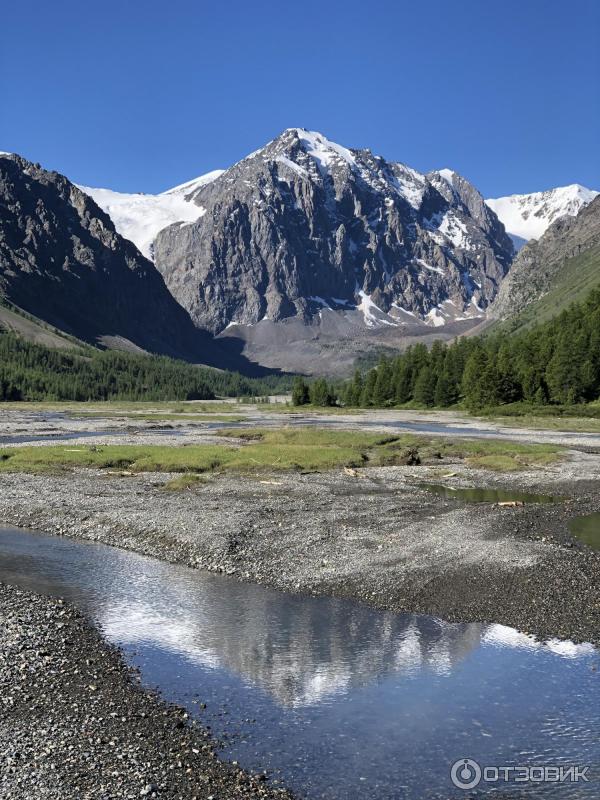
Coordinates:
(139, 217)
(447, 174)
(321, 148)
(305, 229)
(528, 216)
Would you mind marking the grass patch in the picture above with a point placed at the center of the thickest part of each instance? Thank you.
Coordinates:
(566, 424)
(287, 408)
(184, 482)
(160, 417)
(311, 437)
(503, 456)
(531, 410)
(125, 406)
(303, 449)
(153, 458)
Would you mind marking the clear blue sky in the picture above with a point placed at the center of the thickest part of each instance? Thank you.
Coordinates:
(139, 96)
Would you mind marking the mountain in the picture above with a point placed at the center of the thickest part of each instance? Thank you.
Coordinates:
(548, 274)
(139, 217)
(308, 251)
(528, 216)
(62, 261)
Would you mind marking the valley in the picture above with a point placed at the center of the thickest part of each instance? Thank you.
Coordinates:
(300, 401)
(290, 542)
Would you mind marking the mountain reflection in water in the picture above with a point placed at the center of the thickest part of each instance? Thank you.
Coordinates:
(338, 700)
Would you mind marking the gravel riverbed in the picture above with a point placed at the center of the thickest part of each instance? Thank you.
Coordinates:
(74, 724)
(376, 536)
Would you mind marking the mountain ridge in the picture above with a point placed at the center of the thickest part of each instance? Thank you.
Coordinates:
(540, 265)
(62, 261)
(528, 216)
(305, 255)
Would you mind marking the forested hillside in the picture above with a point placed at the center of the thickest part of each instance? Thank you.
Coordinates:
(573, 283)
(557, 362)
(33, 372)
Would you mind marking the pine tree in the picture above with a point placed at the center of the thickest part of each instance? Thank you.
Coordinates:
(445, 394)
(320, 394)
(563, 373)
(425, 386)
(366, 397)
(382, 391)
(300, 392)
(402, 381)
(355, 389)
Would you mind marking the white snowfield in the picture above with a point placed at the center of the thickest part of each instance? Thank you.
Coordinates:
(528, 216)
(139, 217)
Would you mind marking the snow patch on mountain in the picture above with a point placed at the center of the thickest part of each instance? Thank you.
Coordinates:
(373, 315)
(447, 175)
(140, 217)
(322, 149)
(190, 187)
(455, 231)
(410, 184)
(528, 216)
(293, 166)
(427, 266)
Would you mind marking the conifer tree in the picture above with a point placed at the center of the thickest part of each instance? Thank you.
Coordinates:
(366, 397)
(425, 386)
(300, 392)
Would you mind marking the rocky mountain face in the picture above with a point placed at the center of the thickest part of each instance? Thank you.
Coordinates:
(304, 228)
(528, 216)
(62, 261)
(540, 262)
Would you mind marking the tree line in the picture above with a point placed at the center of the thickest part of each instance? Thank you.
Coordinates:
(557, 362)
(31, 371)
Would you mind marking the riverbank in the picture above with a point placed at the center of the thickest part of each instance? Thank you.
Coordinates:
(195, 422)
(371, 534)
(74, 724)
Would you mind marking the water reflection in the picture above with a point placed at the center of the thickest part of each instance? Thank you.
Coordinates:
(349, 703)
(302, 653)
(482, 495)
(587, 529)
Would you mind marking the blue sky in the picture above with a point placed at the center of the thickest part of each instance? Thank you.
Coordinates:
(140, 96)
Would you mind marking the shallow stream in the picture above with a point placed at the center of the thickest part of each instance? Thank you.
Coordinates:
(333, 698)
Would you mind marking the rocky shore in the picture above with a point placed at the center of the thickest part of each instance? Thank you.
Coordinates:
(74, 724)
